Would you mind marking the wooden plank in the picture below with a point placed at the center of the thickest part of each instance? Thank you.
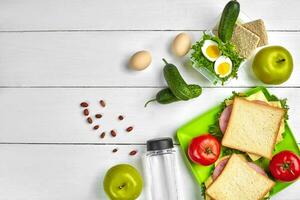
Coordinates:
(70, 172)
(137, 14)
(100, 59)
(76, 172)
(54, 115)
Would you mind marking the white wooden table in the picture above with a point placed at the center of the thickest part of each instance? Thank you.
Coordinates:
(55, 54)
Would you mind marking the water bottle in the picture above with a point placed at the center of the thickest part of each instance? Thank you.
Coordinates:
(161, 170)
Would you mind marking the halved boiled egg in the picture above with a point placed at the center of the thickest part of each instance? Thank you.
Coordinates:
(223, 66)
(211, 50)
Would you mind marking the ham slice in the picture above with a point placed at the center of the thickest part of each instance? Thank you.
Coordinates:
(257, 168)
(219, 168)
(224, 118)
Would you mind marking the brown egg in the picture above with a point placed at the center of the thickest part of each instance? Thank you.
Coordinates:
(140, 60)
(181, 44)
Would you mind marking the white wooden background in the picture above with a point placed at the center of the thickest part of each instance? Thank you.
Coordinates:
(55, 54)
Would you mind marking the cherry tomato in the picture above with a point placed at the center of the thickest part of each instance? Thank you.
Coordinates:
(204, 149)
(285, 166)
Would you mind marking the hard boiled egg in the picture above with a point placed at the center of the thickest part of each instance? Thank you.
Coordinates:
(140, 60)
(223, 66)
(211, 50)
(181, 44)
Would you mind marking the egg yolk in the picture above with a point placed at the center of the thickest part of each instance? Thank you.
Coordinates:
(223, 68)
(213, 51)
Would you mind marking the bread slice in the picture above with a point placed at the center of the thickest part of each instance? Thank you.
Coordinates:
(258, 27)
(244, 40)
(253, 127)
(239, 181)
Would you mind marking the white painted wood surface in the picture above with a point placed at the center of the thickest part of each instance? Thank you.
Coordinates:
(55, 54)
(100, 58)
(137, 14)
(38, 172)
(53, 115)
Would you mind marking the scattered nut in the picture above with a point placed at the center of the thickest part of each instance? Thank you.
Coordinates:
(132, 153)
(84, 104)
(98, 116)
(113, 133)
(86, 112)
(102, 135)
(115, 150)
(102, 103)
(129, 129)
(89, 120)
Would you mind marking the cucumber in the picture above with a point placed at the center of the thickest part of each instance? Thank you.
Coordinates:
(176, 83)
(165, 96)
(228, 20)
(196, 90)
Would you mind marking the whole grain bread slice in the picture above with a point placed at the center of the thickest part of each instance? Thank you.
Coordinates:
(258, 27)
(253, 127)
(244, 40)
(239, 181)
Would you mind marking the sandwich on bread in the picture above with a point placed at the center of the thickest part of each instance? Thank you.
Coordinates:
(253, 127)
(239, 180)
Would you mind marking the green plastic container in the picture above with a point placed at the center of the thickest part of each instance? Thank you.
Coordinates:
(200, 125)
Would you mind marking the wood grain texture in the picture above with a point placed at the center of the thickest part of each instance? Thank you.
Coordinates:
(46, 172)
(54, 115)
(101, 59)
(51, 52)
(31, 15)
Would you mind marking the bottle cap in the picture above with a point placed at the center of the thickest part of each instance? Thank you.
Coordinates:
(159, 144)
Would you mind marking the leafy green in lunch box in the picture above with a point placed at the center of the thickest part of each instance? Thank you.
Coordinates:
(223, 71)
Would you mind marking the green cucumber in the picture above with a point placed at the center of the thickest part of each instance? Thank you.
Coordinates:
(176, 83)
(228, 20)
(165, 96)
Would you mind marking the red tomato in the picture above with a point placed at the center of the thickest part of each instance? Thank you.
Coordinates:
(285, 166)
(204, 149)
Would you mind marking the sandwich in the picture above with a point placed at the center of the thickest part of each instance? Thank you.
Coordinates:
(239, 179)
(248, 127)
(218, 129)
(253, 127)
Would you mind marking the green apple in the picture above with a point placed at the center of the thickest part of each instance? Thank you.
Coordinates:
(123, 182)
(273, 65)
